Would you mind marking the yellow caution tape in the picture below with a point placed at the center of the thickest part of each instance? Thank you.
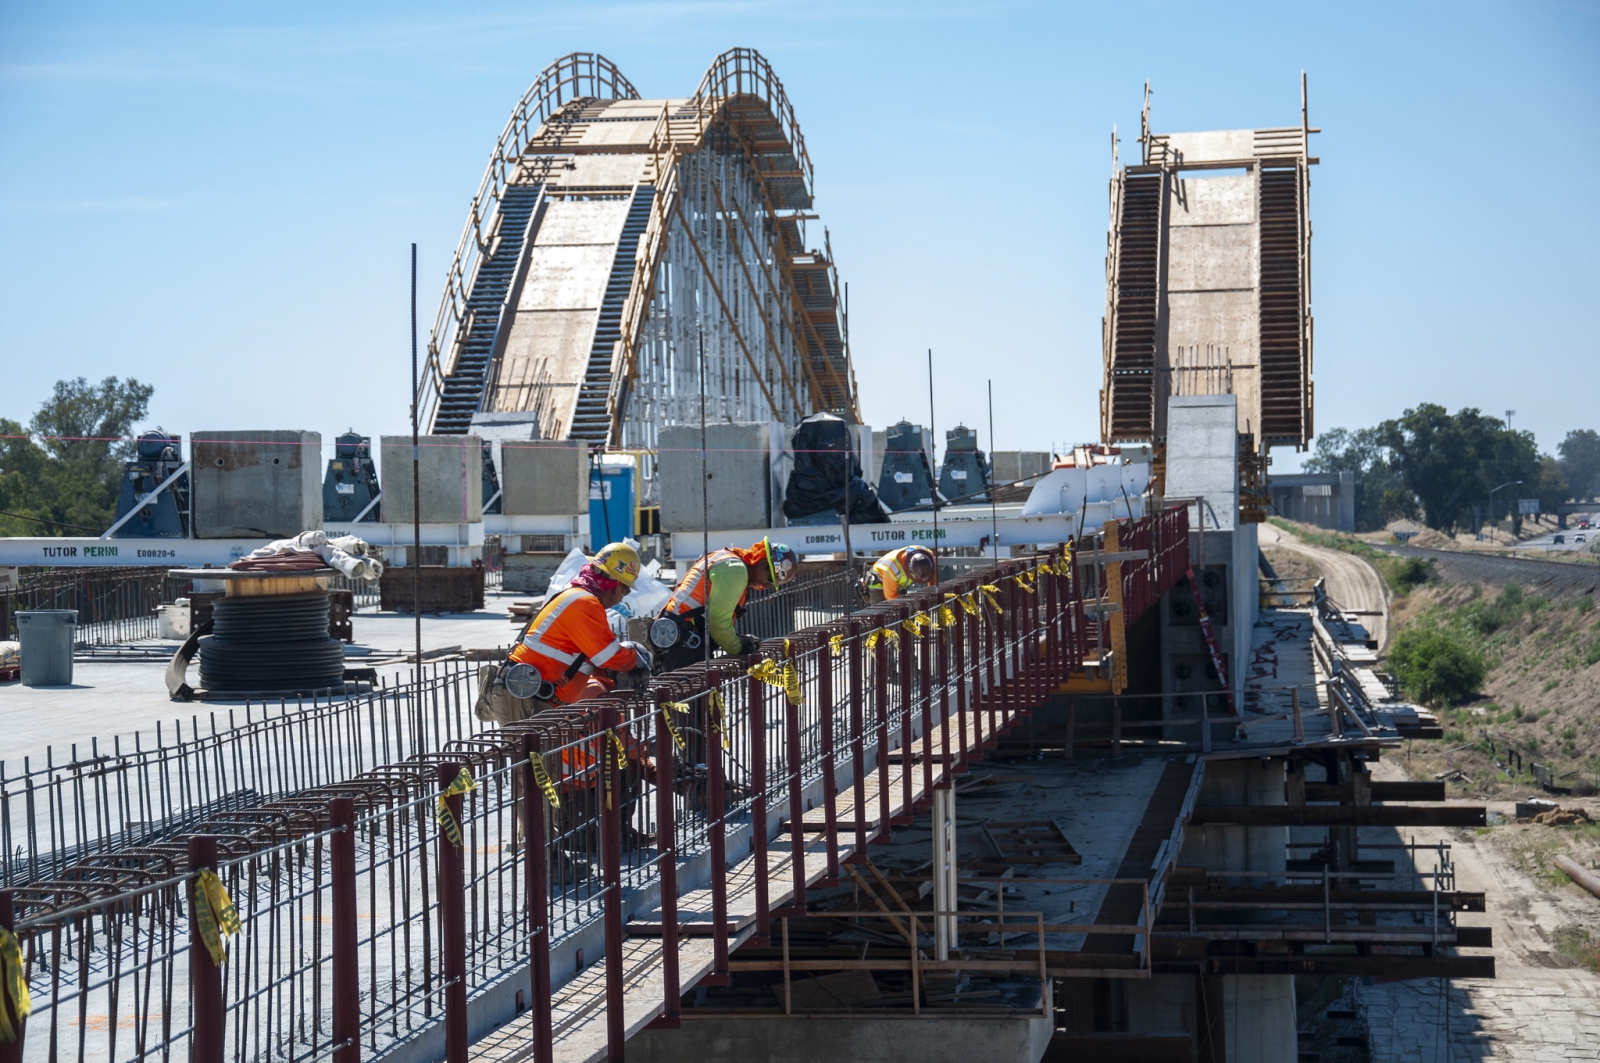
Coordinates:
(947, 616)
(719, 709)
(966, 601)
(791, 684)
(667, 709)
(989, 591)
(447, 821)
(1024, 580)
(214, 913)
(615, 754)
(836, 644)
(872, 640)
(916, 624)
(1064, 562)
(542, 777)
(13, 987)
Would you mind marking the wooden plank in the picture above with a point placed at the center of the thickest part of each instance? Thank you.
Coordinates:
(1341, 816)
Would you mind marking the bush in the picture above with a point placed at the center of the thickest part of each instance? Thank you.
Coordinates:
(1404, 574)
(1586, 603)
(1488, 617)
(1436, 667)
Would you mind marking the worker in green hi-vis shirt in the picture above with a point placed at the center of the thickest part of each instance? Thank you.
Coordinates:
(710, 597)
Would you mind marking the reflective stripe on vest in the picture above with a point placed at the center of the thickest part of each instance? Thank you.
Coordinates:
(552, 611)
(693, 590)
(893, 566)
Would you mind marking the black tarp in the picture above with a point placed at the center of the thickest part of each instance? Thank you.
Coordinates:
(822, 451)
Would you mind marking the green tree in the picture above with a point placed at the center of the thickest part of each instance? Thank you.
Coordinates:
(1452, 461)
(1580, 462)
(1381, 495)
(68, 485)
(1551, 487)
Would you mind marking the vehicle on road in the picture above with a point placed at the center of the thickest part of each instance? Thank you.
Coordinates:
(1579, 539)
(1556, 540)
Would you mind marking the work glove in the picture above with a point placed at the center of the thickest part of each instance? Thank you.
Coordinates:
(749, 644)
(647, 659)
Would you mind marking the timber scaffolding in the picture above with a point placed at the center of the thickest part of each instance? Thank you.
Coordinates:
(725, 807)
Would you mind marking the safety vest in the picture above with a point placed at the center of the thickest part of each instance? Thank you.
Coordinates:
(571, 630)
(694, 589)
(894, 570)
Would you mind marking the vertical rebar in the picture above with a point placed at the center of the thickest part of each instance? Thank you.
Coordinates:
(717, 841)
(757, 724)
(830, 807)
(452, 924)
(537, 881)
(10, 1053)
(667, 867)
(205, 976)
(346, 965)
(611, 862)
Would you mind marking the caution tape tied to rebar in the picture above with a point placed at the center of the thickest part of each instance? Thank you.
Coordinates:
(990, 592)
(1024, 580)
(214, 914)
(13, 987)
(836, 644)
(611, 761)
(947, 616)
(964, 600)
(447, 821)
(719, 710)
(667, 709)
(542, 777)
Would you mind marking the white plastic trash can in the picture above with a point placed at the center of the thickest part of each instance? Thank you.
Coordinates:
(47, 637)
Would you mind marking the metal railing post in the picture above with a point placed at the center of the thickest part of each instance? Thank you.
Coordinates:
(452, 923)
(830, 782)
(858, 749)
(10, 1053)
(612, 765)
(667, 863)
(797, 810)
(908, 726)
(205, 977)
(536, 879)
(881, 703)
(346, 957)
(717, 841)
(758, 809)
(925, 696)
(941, 655)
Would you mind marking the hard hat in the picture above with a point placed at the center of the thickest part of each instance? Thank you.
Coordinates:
(619, 561)
(782, 562)
(921, 564)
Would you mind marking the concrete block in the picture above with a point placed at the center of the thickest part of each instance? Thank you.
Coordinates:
(255, 485)
(544, 478)
(1203, 456)
(450, 476)
(737, 490)
(529, 573)
(1012, 465)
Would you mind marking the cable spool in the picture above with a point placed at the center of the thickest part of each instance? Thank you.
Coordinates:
(275, 643)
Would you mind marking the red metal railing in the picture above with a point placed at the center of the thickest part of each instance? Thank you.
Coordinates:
(573, 816)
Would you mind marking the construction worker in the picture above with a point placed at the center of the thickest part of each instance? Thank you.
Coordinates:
(568, 645)
(898, 571)
(712, 595)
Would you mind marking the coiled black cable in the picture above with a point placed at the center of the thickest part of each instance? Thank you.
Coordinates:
(277, 644)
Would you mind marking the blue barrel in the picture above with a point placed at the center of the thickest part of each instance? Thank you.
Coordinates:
(47, 638)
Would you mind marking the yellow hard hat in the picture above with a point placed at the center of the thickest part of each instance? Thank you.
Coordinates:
(619, 561)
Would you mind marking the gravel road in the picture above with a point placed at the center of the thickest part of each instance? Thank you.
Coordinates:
(1351, 582)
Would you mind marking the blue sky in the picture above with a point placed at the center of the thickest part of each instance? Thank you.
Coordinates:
(219, 199)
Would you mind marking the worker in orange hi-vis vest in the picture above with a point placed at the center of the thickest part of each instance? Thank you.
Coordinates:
(568, 646)
(898, 571)
(710, 598)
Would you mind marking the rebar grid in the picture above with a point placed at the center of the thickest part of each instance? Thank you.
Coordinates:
(103, 942)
